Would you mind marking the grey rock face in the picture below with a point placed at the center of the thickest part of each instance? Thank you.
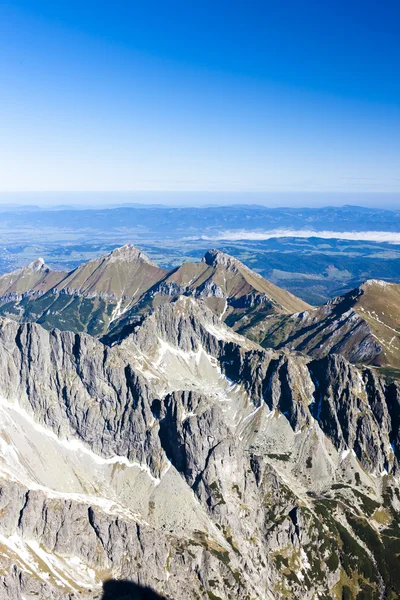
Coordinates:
(352, 408)
(191, 460)
(214, 258)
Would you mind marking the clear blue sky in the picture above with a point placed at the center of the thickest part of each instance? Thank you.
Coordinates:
(164, 95)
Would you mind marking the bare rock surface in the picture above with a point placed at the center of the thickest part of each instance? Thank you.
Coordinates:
(190, 459)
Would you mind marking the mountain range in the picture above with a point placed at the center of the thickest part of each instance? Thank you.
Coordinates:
(147, 435)
(119, 286)
(110, 294)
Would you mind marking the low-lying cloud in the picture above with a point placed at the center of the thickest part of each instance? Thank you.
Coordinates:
(244, 234)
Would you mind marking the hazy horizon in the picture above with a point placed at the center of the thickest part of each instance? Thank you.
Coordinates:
(109, 199)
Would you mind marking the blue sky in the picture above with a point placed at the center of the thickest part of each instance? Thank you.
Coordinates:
(252, 96)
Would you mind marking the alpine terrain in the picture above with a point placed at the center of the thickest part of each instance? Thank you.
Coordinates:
(146, 435)
(363, 326)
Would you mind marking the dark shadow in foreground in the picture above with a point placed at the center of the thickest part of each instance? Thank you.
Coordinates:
(128, 590)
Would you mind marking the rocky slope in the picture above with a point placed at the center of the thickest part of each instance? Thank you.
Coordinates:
(363, 326)
(229, 287)
(194, 461)
(89, 298)
(33, 280)
(124, 273)
(235, 293)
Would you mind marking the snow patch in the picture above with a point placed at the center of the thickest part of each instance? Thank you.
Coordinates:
(67, 572)
(344, 454)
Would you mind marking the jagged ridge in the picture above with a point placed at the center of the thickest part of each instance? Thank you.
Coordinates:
(272, 472)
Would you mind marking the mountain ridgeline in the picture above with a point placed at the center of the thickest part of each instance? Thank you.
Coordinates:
(107, 293)
(146, 435)
(107, 297)
(363, 326)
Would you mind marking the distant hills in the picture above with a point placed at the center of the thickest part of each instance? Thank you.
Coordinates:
(176, 222)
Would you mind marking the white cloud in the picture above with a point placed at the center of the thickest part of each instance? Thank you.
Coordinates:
(244, 234)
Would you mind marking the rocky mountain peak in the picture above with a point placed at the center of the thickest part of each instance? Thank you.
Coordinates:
(192, 459)
(32, 280)
(370, 286)
(188, 457)
(37, 265)
(129, 252)
(375, 283)
(215, 258)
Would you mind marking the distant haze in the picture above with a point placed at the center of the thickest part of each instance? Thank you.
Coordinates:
(112, 199)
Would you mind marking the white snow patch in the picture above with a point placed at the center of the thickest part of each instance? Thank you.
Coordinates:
(253, 412)
(304, 559)
(68, 572)
(379, 282)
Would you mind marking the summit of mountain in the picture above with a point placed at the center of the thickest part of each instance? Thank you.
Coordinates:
(233, 292)
(36, 278)
(88, 298)
(124, 273)
(231, 287)
(107, 295)
(130, 253)
(109, 292)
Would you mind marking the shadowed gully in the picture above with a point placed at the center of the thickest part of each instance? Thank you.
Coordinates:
(128, 590)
